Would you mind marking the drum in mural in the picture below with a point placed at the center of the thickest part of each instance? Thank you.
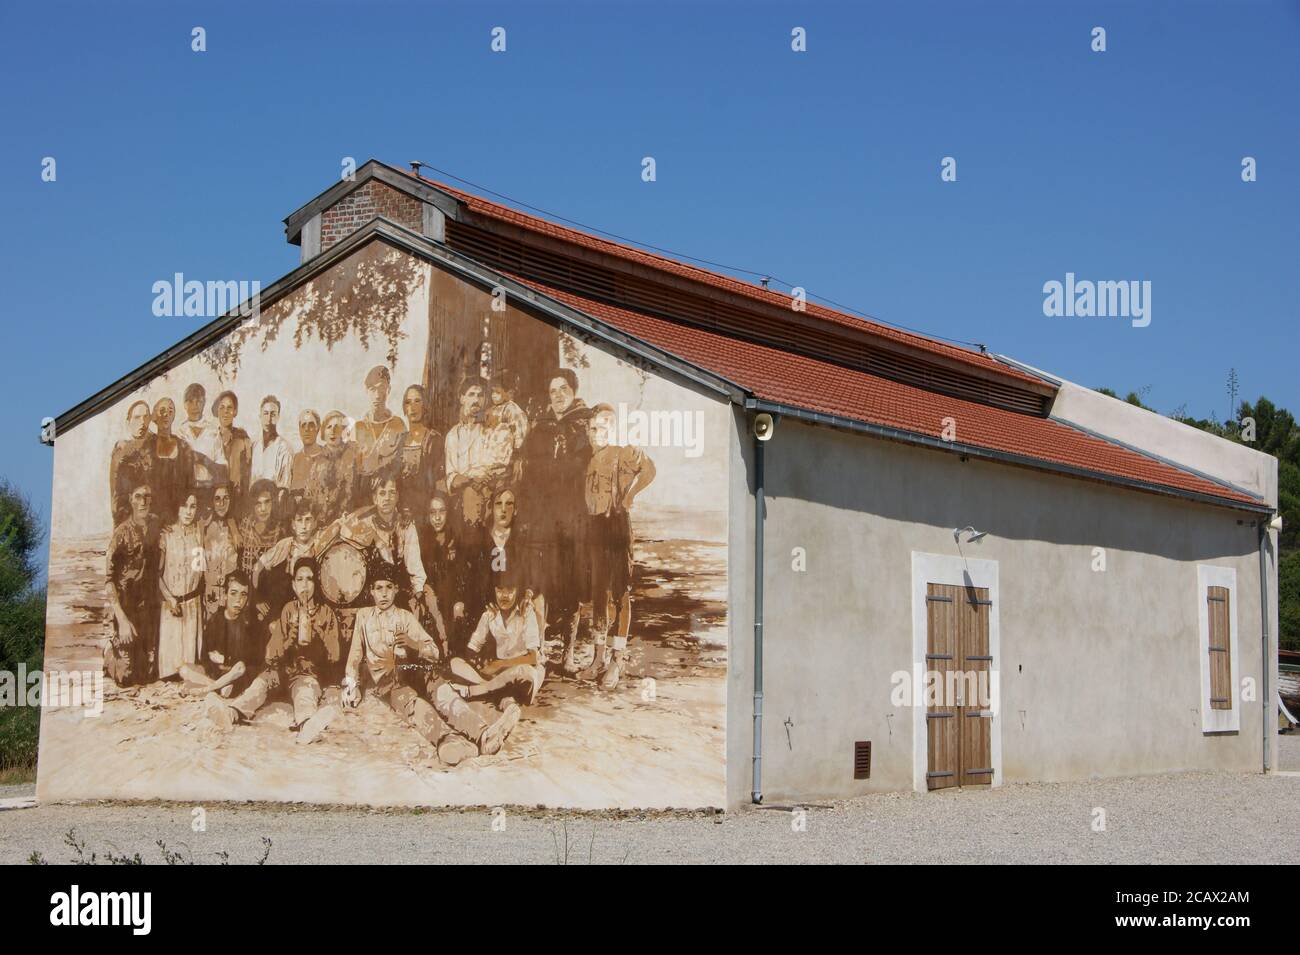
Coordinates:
(342, 573)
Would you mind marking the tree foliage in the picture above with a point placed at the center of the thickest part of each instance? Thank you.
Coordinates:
(22, 620)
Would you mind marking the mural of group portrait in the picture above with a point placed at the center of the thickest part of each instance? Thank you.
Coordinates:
(385, 543)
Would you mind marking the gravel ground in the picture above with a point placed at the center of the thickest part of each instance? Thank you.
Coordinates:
(1237, 819)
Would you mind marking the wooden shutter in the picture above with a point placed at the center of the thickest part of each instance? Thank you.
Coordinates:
(976, 664)
(1217, 607)
(943, 767)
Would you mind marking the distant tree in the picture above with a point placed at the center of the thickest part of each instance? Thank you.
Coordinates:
(22, 619)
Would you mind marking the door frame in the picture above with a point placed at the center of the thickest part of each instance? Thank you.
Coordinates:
(959, 572)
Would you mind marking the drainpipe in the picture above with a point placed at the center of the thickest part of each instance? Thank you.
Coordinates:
(757, 793)
(1269, 704)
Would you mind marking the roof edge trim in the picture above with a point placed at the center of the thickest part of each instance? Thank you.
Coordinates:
(1002, 457)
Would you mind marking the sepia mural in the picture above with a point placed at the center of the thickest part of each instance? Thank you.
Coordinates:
(387, 544)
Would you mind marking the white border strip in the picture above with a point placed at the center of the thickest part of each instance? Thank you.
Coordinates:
(1207, 576)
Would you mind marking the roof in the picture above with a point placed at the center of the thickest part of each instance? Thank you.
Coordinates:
(804, 384)
(777, 376)
(477, 205)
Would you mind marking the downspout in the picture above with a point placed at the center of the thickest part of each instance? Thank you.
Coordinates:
(757, 792)
(1269, 704)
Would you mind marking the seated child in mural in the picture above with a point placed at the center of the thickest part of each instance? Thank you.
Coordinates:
(273, 572)
(616, 474)
(399, 656)
(132, 590)
(234, 649)
(303, 642)
(306, 646)
(513, 667)
(180, 583)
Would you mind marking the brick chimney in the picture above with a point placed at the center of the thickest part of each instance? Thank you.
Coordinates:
(376, 190)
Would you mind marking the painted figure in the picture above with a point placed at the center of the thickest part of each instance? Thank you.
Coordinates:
(235, 461)
(272, 457)
(132, 590)
(307, 472)
(233, 647)
(381, 531)
(379, 437)
(133, 461)
(615, 476)
(305, 650)
(221, 543)
(180, 584)
(445, 570)
(174, 460)
(507, 425)
(494, 549)
(399, 656)
(258, 532)
(339, 468)
(421, 456)
(507, 645)
(273, 572)
(556, 454)
(471, 472)
(202, 435)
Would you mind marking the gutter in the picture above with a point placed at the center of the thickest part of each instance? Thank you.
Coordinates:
(1002, 457)
(756, 793)
(1268, 658)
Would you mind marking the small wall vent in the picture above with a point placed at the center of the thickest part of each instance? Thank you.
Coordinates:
(862, 760)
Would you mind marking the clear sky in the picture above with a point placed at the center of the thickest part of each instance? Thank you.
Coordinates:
(821, 168)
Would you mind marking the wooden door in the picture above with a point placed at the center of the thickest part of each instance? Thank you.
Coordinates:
(959, 720)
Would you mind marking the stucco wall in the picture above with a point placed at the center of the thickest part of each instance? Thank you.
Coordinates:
(1100, 671)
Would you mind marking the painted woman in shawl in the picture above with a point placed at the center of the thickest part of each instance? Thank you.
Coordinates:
(174, 465)
(133, 462)
(258, 531)
(307, 476)
(236, 448)
(339, 467)
(421, 456)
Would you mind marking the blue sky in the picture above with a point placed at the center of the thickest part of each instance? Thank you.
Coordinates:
(821, 168)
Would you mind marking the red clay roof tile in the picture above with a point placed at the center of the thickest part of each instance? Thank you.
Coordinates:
(817, 385)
